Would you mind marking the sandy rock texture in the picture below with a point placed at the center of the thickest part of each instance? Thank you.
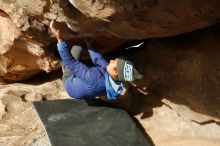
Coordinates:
(22, 43)
(26, 45)
(19, 123)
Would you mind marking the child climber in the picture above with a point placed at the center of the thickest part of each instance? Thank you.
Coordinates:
(83, 82)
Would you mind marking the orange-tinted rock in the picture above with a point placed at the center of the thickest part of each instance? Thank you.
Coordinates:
(138, 19)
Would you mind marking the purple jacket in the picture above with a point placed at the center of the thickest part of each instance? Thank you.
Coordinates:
(88, 82)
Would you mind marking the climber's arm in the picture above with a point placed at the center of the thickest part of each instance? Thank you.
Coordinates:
(79, 69)
(96, 57)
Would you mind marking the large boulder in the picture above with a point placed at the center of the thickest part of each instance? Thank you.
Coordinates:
(138, 19)
(26, 43)
(22, 44)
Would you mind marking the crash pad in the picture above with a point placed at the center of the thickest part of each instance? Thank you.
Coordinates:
(71, 122)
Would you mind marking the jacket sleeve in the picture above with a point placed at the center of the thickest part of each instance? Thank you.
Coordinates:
(79, 69)
(97, 58)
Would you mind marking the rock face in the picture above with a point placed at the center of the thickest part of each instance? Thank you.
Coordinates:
(25, 41)
(22, 43)
(19, 123)
(138, 19)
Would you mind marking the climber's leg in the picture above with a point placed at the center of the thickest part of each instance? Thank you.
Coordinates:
(76, 51)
